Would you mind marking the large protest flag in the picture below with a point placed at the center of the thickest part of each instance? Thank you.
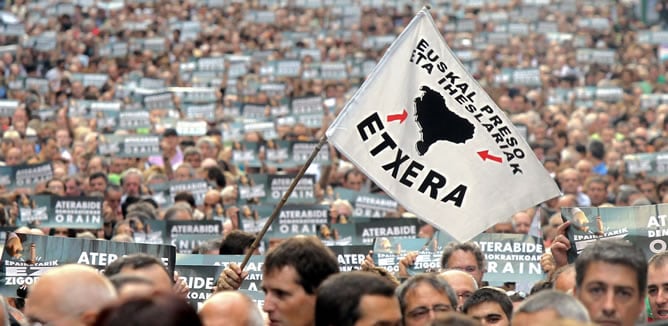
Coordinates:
(424, 130)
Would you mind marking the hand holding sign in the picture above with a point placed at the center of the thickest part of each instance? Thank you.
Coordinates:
(561, 245)
(180, 287)
(368, 263)
(231, 278)
(406, 262)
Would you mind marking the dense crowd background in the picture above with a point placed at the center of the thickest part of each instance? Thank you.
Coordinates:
(585, 80)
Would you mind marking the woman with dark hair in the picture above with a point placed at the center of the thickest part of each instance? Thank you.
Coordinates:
(216, 176)
(161, 310)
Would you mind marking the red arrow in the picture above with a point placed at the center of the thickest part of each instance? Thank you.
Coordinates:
(484, 155)
(401, 117)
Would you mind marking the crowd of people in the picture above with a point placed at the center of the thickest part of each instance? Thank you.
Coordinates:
(74, 71)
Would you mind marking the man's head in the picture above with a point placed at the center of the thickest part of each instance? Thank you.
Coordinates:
(462, 283)
(425, 297)
(236, 242)
(292, 272)
(193, 156)
(68, 295)
(353, 179)
(610, 280)
(230, 308)
(597, 189)
(131, 181)
(14, 156)
(490, 306)
(521, 222)
(657, 285)
(549, 305)
(569, 181)
(145, 266)
(465, 257)
(357, 298)
(98, 182)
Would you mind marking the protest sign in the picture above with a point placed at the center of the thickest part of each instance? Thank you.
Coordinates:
(590, 224)
(453, 115)
(254, 267)
(63, 212)
(7, 107)
(386, 227)
(367, 204)
(304, 193)
(350, 258)
(296, 219)
(26, 257)
(201, 281)
(189, 235)
(388, 252)
(648, 164)
(511, 258)
(25, 175)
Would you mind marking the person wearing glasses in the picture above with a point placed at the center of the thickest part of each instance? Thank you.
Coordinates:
(425, 297)
(462, 282)
(357, 298)
(490, 306)
(466, 257)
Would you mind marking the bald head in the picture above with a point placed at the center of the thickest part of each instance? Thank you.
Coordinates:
(463, 283)
(230, 308)
(71, 293)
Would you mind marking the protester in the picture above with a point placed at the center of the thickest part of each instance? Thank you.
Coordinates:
(291, 274)
(490, 306)
(584, 83)
(549, 305)
(230, 308)
(465, 257)
(356, 298)
(68, 295)
(462, 283)
(611, 281)
(657, 286)
(150, 267)
(423, 298)
(161, 310)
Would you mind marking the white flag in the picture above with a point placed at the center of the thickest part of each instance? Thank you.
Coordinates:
(424, 130)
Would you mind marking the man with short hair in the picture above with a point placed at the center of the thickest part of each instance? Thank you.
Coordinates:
(353, 179)
(193, 156)
(490, 306)
(230, 308)
(131, 181)
(465, 257)
(596, 188)
(569, 179)
(357, 299)
(549, 305)
(68, 295)
(521, 222)
(142, 265)
(14, 156)
(657, 285)
(611, 280)
(98, 182)
(425, 297)
(291, 273)
(462, 283)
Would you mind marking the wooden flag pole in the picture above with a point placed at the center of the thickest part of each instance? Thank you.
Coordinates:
(284, 199)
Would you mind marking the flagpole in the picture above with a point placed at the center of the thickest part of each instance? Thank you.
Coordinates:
(284, 199)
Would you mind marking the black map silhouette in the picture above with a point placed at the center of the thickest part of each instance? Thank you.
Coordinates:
(437, 122)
